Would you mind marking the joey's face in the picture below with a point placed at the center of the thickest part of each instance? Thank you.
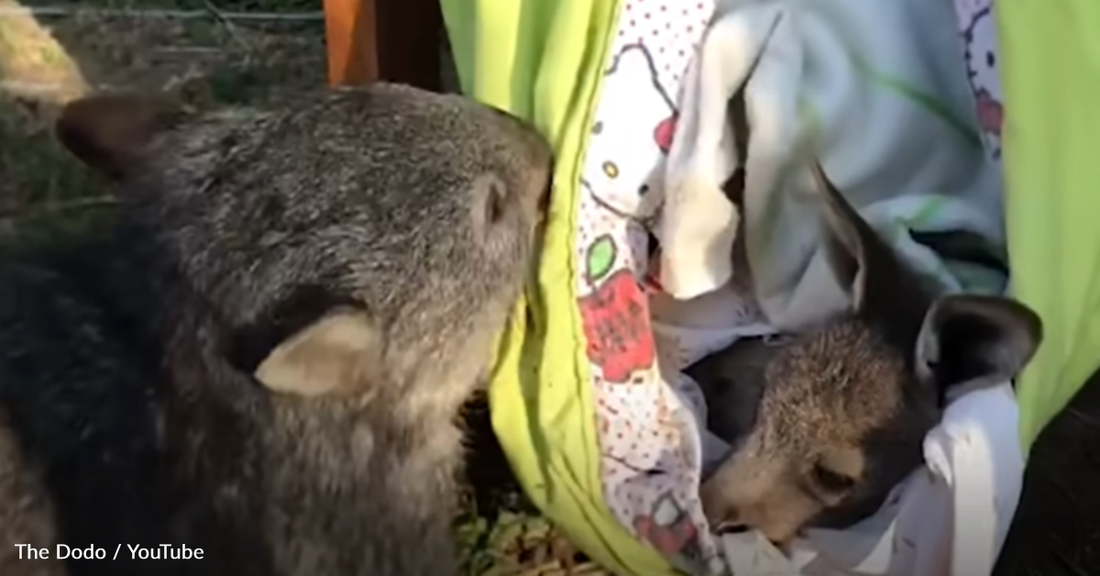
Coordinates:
(844, 407)
(840, 424)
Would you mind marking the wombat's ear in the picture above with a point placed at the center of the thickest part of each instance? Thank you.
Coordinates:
(975, 341)
(333, 355)
(110, 132)
(865, 266)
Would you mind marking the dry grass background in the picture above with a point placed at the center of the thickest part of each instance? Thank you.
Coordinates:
(46, 60)
(45, 196)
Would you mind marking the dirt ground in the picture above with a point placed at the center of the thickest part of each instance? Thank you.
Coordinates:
(67, 49)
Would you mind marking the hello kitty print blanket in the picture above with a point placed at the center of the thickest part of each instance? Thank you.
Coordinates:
(652, 444)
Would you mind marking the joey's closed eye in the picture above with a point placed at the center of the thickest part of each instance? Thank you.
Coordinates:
(837, 470)
(831, 480)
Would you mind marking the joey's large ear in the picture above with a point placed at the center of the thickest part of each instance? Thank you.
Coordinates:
(864, 265)
(975, 341)
(110, 132)
(334, 355)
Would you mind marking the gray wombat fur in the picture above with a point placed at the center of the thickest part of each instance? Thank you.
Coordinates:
(266, 356)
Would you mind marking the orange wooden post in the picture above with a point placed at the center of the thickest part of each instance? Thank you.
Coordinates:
(394, 40)
(351, 41)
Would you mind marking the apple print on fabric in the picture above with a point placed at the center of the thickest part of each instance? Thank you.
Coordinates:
(668, 528)
(615, 316)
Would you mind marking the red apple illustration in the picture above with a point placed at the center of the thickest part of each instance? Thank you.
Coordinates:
(669, 529)
(615, 316)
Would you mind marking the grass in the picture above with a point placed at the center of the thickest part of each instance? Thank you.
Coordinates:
(46, 196)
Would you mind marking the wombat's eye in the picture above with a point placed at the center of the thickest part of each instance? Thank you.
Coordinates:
(831, 480)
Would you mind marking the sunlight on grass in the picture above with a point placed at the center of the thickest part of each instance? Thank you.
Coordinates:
(225, 5)
(32, 61)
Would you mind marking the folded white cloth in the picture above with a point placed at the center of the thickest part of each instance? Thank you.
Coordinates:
(878, 89)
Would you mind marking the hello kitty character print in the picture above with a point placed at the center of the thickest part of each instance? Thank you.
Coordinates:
(978, 28)
(648, 435)
(622, 181)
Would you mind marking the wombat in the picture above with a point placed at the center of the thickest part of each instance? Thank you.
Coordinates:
(265, 358)
(838, 413)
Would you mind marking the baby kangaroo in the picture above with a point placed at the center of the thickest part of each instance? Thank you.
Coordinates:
(837, 414)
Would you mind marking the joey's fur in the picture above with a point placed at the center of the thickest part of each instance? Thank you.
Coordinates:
(265, 357)
(843, 408)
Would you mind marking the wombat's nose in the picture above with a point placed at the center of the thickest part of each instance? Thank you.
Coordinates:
(544, 198)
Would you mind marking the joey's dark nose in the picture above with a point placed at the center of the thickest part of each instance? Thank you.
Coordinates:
(722, 516)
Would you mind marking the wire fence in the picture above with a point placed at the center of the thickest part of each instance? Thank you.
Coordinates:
(67, 11)
(32, 88)
(25, 29)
